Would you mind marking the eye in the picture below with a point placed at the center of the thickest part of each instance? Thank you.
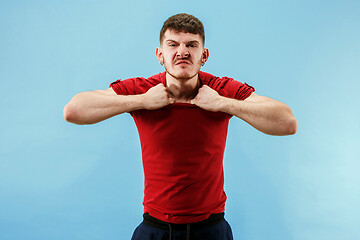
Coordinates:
(191, 45)
(172, 44)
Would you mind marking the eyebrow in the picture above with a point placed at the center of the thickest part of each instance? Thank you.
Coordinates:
(189, 42)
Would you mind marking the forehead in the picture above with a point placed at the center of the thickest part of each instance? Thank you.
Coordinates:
(181, 36)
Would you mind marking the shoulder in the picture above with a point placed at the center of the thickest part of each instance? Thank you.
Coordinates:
(136, 85)
(227, 86)
(155, 79)
(150, 81)
(207, 78)
(215, 82)
(146, 83)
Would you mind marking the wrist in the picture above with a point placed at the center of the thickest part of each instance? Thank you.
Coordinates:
(141, 101)
(223, 104)
(131, 102)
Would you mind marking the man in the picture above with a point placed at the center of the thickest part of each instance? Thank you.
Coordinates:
(182, 116)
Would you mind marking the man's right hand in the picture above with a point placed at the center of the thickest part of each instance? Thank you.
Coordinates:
(95, 106)
(157, 97)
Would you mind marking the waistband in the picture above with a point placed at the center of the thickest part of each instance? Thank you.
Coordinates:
(154, 222)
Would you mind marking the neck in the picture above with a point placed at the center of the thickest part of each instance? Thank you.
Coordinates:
(183, 90)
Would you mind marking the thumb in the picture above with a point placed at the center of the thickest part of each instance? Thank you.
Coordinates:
(171, 99)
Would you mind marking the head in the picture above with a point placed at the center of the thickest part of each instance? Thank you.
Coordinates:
(183, 22)
(181, 48)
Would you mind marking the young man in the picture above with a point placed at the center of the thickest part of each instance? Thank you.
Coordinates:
(182, 116)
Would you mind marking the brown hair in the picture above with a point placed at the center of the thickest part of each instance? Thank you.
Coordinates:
(183, 22)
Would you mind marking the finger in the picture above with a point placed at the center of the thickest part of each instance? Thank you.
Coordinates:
(171, 99)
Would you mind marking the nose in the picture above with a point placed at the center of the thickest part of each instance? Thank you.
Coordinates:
(182, 51)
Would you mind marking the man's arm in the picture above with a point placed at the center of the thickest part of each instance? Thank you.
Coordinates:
(265, 114)
(95, 106)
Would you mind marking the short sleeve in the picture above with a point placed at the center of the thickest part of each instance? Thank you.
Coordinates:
(137, 85)
(124, 87)
(235, 89)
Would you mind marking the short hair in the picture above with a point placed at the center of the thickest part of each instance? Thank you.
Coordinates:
(183, 22)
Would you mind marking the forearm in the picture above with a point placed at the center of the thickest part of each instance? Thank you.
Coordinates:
(270, 117)
(95, 106)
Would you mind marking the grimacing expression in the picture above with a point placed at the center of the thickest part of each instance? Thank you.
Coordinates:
(182, 54)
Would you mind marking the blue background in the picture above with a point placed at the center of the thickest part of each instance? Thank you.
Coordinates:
(63, 181)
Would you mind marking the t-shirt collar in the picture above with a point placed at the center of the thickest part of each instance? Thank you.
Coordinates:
(163, 78)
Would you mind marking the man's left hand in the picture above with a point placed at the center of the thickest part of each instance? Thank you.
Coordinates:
(208, 99)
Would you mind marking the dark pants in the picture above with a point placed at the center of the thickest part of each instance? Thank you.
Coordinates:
(219, 231)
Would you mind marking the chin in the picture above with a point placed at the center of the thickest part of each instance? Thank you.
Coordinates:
(182, 75)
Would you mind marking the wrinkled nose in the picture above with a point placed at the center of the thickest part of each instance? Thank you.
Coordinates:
(182, 51)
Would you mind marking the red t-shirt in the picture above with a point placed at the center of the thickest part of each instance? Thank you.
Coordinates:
(182, 151)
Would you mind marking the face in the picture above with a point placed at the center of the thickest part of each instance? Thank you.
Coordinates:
(182, 54)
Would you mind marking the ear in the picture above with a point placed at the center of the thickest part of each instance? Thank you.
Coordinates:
(205, 56)
(159, 55)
